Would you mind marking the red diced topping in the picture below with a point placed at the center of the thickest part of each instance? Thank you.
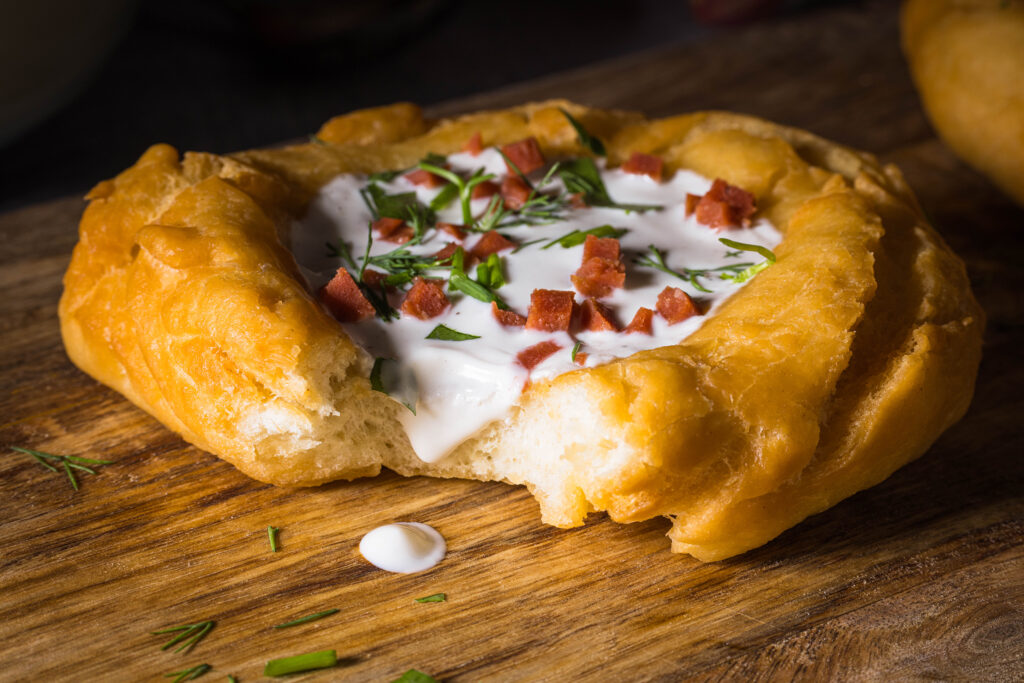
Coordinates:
(550, 310)
(725, 205)
(344, 299)
(425, 178)
(507, 318)
(692, 200)
(485, 190)
(601, 247)
(491, 243)
(644, 164)
(581, 358)
(455, 231)
(446, 252)
(474, 145)
(385, 226)
(393, 230)
(426, 299)
(675, 305)
(596, 318)
(642, 322)
(374, 278)
(515, 192)
(597, 277)
(525, 154)
(532, 356)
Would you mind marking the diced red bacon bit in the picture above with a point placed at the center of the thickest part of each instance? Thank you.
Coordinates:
(374, 278)
(724, 205)
(446, 252)
(550, 310)
(581, 359)
(675, 305)
(525, 154)
(515, 192)
(642, 322)
(602, 269)
(425, 299)
(491, 243)
(601, 247)
(692, 200)
(596, 318)
(532, 356)
(425, 178)
(644, 164)
(455, 231)
(577, 201)
(507, 318)
(344, 299)
(474, 145)
(485, 190)
(393, 230)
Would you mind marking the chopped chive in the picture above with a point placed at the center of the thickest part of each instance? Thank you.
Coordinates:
(578, 237)
(526, 244)
(192, 632)
(753, 270)
(586, 139)
(272, 535)
(575, 349)
(414, 676)
(307, 662)
(308, 618)
(189, 674)
(232, 679)
(436, 597)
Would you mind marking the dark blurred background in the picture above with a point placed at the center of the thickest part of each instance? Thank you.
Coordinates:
(85, 87)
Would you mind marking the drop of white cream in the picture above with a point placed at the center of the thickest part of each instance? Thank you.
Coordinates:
(404, 547)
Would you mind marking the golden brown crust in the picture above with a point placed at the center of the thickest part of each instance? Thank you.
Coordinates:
(967, 59)
(827, 372)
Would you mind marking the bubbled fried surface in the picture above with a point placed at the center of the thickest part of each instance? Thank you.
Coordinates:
(828, 371)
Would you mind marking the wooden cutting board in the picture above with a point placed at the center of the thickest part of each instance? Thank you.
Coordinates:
(921, 577)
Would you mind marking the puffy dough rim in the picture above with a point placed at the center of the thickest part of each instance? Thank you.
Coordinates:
(781, 405)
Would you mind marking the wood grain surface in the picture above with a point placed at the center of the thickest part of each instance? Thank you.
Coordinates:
(921, 577)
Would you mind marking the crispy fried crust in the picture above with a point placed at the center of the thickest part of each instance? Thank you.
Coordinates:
(967, 59)
(827, 372)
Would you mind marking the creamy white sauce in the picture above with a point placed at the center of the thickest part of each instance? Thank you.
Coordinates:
(404, 548)
(460, 387)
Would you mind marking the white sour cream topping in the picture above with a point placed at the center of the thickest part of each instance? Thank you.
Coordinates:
(404, 548)
(458, 387)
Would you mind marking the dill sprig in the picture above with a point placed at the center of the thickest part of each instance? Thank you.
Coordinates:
(308, 618)
(68, 462)
(540, 208)
(189, 633)
(189, 674)
(582, 177)
(656, 260)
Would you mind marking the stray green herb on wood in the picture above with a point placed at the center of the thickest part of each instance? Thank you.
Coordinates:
(68, 462)
(190, 633)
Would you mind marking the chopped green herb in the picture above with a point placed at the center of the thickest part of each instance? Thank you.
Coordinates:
(189, 633)
(515, 169)
(384, 205)
(444, 197)
(489, 273)
(575, 349)
(752, 270)
(189, 674)
(414, 676)
(445, 333)
(343, 251)
(527, 244)
(578, 237)
(463, 188)
(289, 665)
(732, 254)
(272, 532)
(308, 618)
(656, 260)
(581, 176)
(460, 282)
(386, 176)
(586, 139)
(232, 679)
(68, 462)
(436, 597)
